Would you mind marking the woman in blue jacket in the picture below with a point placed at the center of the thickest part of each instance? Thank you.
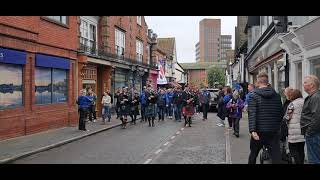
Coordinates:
(84, 103)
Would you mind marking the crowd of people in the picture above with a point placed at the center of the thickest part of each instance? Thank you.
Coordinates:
(271, 122)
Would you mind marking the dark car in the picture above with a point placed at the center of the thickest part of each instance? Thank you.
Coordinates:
(214, 99)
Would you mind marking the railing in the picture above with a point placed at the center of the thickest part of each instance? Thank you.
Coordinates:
(108, 55)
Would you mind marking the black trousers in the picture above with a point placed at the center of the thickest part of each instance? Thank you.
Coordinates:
(205, 108)
(235, 123)
(230, 121)
(271, 141)
(143, 117)
(92, 111)
(82, 118)
(161, 110)
(297, 151)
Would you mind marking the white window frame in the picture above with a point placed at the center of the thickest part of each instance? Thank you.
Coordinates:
(86, 34)
(139, 20)
(139, 50)
(120, 42)
(59, 19)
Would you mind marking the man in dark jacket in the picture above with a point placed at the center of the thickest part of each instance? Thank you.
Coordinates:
(310, 118)
(265, 115)
(177, 101)
(204, 100)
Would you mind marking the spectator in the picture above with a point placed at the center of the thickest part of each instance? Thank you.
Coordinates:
(161, 104)
(92, 109)
(235, 105)
(310, 118)
(84, 103)
(106, 105)
(169, 101)
(293, 115)
(265, 115)
(227, 97)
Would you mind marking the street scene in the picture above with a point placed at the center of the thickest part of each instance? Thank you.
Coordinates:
(159, 90)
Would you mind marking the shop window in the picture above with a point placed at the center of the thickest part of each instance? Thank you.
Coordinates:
(11, 88)
(50, 85)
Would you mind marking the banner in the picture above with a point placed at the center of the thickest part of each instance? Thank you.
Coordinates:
(161, 75)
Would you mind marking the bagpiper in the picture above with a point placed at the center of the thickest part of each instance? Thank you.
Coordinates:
(151, 111)
(124, 107)
(134, 106)
(189, 104)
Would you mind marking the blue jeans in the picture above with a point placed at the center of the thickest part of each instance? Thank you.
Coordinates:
(313, 148)
(177, 111)
(106, 112)
(169, 110)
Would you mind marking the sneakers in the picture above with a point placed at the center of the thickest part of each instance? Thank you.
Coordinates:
(220, 125)
(94, 120)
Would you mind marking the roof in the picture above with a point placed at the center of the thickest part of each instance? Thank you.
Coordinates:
(201, 65)
(167, 44)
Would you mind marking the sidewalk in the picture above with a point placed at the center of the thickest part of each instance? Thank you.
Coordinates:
(13, 149)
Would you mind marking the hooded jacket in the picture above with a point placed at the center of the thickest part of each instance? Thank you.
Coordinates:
(265, 110)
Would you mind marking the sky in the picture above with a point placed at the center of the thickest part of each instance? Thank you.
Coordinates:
(186, 31)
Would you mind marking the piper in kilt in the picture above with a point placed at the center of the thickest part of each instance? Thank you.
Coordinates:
(189, 102)
(124, 107)
(134, 106)
(151, 110)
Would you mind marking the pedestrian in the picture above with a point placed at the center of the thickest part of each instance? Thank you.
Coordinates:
(296, 139)
(134, 106)
(220, 109)
(143, 101)
(169, 102)
(177, 101)
(84, 103)
(249, 95)
(117, 96)
(161, 104)
(284, 126)
(92, 109)
(310, 118)
(204, 102)
(124, 107)
(197, 101)
(235, 105)
(189, 101)
(151, 111)
(106, 105)
(227, 97)
(265, 115)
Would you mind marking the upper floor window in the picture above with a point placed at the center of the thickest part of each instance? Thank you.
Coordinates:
(88, 33)
(139, 50)
(120, 39)
(139, 19)
(60, 19)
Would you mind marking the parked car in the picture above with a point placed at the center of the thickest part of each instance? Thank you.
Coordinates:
(214, 99)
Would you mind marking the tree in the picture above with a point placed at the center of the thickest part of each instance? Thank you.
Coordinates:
(216, 75)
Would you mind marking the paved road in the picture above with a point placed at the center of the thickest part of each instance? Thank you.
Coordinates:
(202, 143)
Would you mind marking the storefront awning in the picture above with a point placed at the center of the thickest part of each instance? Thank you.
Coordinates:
(12, 56)
(52, 61)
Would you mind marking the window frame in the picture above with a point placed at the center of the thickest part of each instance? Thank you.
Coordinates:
(139, 50)
(120, 40)
(90, 42)
(52, 20)
(139, 20)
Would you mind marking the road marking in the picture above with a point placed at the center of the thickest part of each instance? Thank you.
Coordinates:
(178, 132)
(173, 137)
(228, 148)
(157, 152)
(147, 161)
(182, 129)
(166, 143)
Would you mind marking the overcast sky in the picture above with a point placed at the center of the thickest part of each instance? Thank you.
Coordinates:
(186, 31)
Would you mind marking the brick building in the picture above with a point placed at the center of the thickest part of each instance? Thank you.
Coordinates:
(38, 56)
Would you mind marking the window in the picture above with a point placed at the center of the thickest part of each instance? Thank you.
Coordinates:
(88, 39)
(120, 42)
(51, 85)
(60, 19)
(139, 20)
(139, 50)
(149, 53)
(11, 88)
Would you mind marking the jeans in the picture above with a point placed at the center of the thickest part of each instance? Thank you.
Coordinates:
(82, 118)
(161, 110)
(169, 110)
(106, 113)
(313, 148)
(92, 111)
(177, 112)
(235, 122)
(205, 108)
(271, 141)
(143, 117)
(297, 152)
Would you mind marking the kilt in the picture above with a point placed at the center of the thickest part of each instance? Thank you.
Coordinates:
(188, 110)
(134, 110)
(124, 110)
(151, 111)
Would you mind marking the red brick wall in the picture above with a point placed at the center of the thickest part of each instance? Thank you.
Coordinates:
(37, 35)
(136, 31)
(195, 77)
